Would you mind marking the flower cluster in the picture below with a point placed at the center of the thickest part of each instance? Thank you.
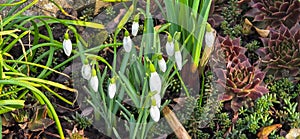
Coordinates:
(172, 48)
(155, 86)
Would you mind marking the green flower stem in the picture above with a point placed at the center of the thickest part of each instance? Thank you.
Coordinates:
(1, 127)
(10, 18)
(76, 54)
(183, 85)
(43, 100)
(34, 48)
(129, 89)
(205, 7)
(37, 65)
(51, 51)
(58, 96)
(12, 4)
(17, 39)
(145, 88)
(37, 80)
(202, 90)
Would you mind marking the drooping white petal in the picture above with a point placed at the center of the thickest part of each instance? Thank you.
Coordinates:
(135, 28)
(94, 83)
(86, 71)
(178, 60)
(112, 88)
(127, 43)
(157, 99)
(209, 38)
(155, 113)
(170, 48)
(155, 82)
(67, 45)
(162, 65)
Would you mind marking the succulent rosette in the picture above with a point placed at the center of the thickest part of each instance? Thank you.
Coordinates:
(225, 50)
(280, 55)
(275, 12)
(241, 81)
(215, 18)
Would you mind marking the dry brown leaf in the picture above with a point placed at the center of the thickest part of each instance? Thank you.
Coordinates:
(247, 22)
(247, 26)
(262, 32)
(175, 124)
(265, 131)
(99, 4)
(75, 134)
(293, 134)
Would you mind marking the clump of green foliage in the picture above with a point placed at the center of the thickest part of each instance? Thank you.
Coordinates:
(230, 25)
(87, 14)
(82, 121)
(279, 106)
(251, 48)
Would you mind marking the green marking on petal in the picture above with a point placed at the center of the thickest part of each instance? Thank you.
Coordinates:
(113, 80)
(126, 33)
(136, 18)
(94, 72)
(170, 39)
(153, 102)
(176, 46)
(152, 68)
(208, 28)
(86, 61)
(66, 37)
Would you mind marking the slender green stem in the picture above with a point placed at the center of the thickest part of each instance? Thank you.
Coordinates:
(10, 18)
(37, 92)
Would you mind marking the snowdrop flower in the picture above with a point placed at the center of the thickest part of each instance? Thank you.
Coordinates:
(157, 98)
(135, 25)
(94, 82)
(210, 36)
(112, 88)
(162, 63)
(127, 42)
(178, 57)
(67, 44)
(86, 70)
(135, 28)
(155, 81)
(170, 46)
(154, 111)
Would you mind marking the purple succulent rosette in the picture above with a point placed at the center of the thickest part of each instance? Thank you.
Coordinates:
(239, 80)
(280, 55)
(242, 81)
(275, 12)
(226, 50)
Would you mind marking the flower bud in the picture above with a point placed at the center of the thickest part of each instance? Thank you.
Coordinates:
(67, 44)
(94, 82)
(154, 111)
(112, 88)
(178, 57)
(162, 63)
(170, 46)
(86, 70)
(127, 42)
